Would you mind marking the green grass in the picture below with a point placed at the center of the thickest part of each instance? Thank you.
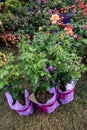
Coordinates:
(72, 116)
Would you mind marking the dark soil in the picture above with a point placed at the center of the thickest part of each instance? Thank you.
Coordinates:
(21, 99)
(63, 88)
(42, 96)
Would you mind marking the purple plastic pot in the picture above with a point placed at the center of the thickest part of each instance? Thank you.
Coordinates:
(66, 96)
(50, 105)
(24, 110)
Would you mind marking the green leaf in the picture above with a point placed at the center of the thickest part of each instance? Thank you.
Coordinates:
(84, 41)
(2, 84)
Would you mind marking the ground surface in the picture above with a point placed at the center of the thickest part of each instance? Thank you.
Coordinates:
(72, 116)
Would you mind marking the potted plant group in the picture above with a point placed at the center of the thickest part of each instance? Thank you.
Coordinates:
(51, 70)
(34, 67)
(63, 64)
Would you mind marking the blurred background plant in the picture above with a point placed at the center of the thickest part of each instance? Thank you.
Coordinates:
(42, 44)
(9, 21)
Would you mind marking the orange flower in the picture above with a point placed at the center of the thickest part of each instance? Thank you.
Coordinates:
(68, 30)
(54, 18)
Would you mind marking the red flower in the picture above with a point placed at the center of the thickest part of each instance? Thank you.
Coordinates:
(85, 27)
(76, 37)
(68, 27)
(84, 11)
(68, 30)
(28, 37)
(74, 11)
(81, 5)
(62, 9)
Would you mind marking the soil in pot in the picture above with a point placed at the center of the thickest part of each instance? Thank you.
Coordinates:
(62, 86)
(21, 99)
(42, 96)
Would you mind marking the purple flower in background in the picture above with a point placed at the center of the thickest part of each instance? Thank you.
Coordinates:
(50, 11)
(26, 18)
(66, 18)
(51, 69)
(55, 31)
(30, 43)
(29, 10)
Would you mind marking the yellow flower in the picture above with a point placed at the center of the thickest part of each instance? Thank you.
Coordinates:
(0, 22)
(40, 28)
(54, 18)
